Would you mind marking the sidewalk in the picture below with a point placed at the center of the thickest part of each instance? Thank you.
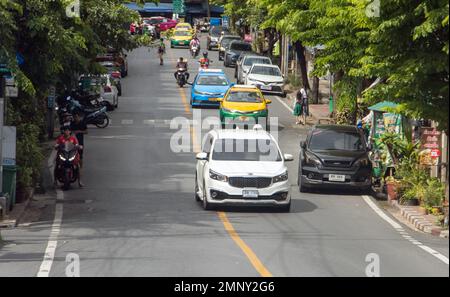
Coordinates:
(317, 111)
(420, 221)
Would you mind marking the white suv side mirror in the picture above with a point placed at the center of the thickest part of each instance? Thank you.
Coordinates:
(202, 156)
(288, 158)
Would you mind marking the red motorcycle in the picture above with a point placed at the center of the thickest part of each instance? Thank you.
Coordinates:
(67, 170)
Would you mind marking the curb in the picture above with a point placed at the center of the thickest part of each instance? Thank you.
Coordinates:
(290, 101)
(419, 221)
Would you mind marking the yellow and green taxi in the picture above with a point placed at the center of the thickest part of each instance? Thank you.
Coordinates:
(180, 38)
(244, 104)
(184, 26)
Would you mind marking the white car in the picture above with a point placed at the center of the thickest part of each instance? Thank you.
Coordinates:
(242, 167)
(109, 91)
(267, 78)
(245, 63)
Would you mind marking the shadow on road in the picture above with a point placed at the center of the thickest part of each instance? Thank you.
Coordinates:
(298, 206)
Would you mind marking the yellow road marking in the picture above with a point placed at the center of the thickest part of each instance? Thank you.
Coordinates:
(254, 260)
(257, 264)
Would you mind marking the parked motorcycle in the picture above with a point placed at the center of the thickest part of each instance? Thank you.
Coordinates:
(97, 117)
(67, 171)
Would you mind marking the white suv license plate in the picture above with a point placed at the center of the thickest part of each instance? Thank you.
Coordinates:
(336, 178)
(250, 193)
(266, 88)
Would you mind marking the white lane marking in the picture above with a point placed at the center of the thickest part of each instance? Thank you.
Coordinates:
(127, 122)
(400, 229)
(49, 256)
(284, 103)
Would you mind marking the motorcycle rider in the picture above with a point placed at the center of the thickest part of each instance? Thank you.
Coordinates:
(182, 64)
(194, 42)
(65, 137)
(204, 62)
(79, 129)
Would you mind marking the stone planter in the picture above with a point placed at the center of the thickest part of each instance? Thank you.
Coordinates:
(423, 211)
(412, 202)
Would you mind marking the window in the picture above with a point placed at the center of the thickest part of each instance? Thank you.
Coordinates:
(256, 150)
(239, 46)
(254, 60)
(182, 33)
(325, 140)
(243, 96)
(262, 70)
(208, 144)
(218, 80)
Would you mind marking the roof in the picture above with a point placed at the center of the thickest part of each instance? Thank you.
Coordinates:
(266, 65)
(151, 7)
(211, 71)
(383, 106)
(242, 134)
(244, 87)
(341, 128)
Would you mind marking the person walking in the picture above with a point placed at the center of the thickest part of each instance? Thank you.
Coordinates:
(298, 107)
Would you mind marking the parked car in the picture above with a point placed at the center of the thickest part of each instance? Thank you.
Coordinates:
(214, 35)
(245, 62)
(181, 37)
(167, 24)
(148, 27)
(100, 84)
(267, 78)
(224, 44)
(115, 57)
(334, 156)
(234, 51)
(244, 105)
(209, 85)
(113, 69)
(252, 173)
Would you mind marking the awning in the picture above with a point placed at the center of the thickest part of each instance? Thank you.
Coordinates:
(383, 106)
(151, 7)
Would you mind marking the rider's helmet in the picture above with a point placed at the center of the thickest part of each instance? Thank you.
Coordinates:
(205, 55)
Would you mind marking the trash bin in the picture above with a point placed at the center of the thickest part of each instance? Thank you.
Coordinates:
(331, 104)
(9, 184)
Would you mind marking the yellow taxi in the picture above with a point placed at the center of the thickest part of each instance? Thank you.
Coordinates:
(180, 37)
(244, 104)
(184, 26)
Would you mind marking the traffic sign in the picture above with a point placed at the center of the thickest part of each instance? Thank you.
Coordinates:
(179, 6)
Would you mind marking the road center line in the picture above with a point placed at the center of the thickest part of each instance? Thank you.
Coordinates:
(400, 229)
(49, 256)
(254, 260)
(257, 264)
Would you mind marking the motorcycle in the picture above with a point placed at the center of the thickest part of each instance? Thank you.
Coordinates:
(66, 170)
(181, 77)
(204, 65)
(97, 117)
(195, 49)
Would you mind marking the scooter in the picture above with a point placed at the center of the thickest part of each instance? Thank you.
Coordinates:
(181, 77)
(67, 171)
(194, 51)
(97, 117)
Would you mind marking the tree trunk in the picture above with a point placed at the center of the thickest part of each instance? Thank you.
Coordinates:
(315, 90)
(300, 50)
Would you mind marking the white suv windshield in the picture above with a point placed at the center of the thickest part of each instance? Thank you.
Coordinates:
(251, 61)
(257, 150)
(262, 70)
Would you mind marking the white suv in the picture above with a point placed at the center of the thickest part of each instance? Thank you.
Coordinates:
(242, 167)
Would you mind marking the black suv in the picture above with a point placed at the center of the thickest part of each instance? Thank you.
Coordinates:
(334, 156)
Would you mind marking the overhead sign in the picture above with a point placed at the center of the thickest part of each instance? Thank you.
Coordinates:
(179, 7)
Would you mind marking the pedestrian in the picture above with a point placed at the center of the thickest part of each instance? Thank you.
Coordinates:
(161, 51)
(298, 107)
(79, 129)
(305, 101)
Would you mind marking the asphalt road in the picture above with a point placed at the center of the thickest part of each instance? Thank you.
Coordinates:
(137, 215)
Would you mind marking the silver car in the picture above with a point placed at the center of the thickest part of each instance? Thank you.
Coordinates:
(245, 62)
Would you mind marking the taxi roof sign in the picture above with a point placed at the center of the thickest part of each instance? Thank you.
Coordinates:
(211, 70)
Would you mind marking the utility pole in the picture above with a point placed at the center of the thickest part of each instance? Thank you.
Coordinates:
(208, 10)
(2, 103)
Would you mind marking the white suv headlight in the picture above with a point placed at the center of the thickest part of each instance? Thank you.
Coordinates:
(217, 176)
(280, 178)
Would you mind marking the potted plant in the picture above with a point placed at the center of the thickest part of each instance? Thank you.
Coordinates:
(413, 195)
(434, 195)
